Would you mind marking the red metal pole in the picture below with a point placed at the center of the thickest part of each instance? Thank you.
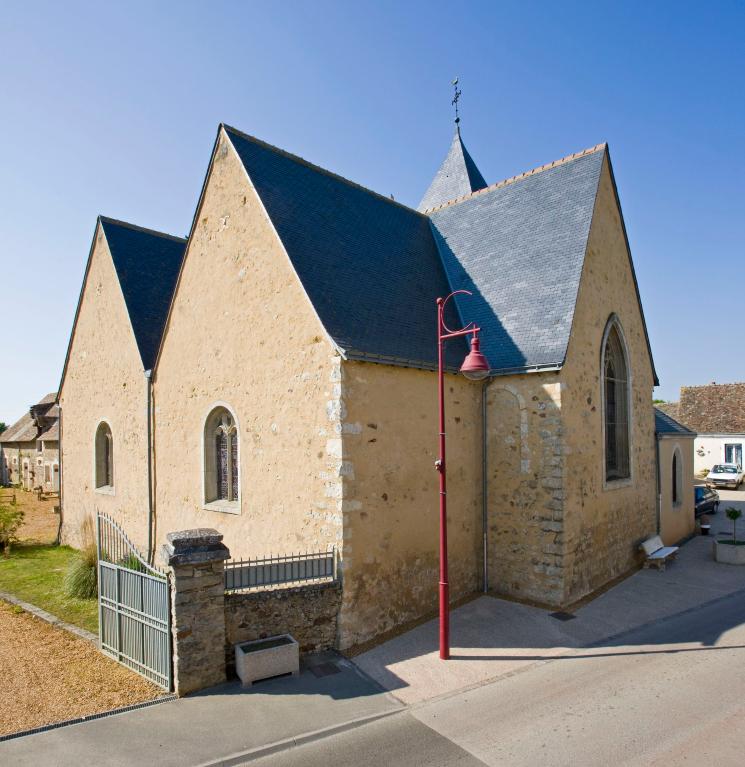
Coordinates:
(444, 586)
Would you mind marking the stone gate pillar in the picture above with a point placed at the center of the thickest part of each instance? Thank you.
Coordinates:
(197, 562)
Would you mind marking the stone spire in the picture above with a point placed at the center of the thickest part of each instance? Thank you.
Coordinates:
(457, 176)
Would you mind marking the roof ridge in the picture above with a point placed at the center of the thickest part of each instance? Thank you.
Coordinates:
(713, 383)
(135, 227)
(519, 177)
(319, 168)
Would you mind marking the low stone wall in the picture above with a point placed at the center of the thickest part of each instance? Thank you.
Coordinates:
(309, 613)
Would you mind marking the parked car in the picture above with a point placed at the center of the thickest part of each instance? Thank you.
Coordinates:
(725, 475)
(707, 500)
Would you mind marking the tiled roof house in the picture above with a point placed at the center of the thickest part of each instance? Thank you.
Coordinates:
(716, 412)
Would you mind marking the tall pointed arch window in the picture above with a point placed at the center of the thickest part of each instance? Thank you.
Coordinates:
(104, 449)
(221, 461)
(677, 478)
(615, 390)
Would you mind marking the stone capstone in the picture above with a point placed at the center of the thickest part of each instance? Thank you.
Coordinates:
(196, 546)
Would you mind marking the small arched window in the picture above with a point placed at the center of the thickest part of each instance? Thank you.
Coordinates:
(615, 389)
(221, 468)
(104, 456)
(677, 478)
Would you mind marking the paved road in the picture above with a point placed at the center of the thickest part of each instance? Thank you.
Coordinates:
(670, 693)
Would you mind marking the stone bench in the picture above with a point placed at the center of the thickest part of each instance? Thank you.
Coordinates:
(656, 553)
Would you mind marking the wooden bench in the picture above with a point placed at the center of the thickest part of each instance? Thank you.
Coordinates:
(657, 553)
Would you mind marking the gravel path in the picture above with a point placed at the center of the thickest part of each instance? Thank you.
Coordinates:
(49, 675)
(40, 523)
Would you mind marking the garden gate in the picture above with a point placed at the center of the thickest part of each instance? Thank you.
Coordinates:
(134, 606)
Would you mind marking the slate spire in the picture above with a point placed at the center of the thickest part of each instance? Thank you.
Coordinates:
(457, 176)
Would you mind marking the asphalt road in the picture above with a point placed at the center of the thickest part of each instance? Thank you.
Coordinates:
(671, 693)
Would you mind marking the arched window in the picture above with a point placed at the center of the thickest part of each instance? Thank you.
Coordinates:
(104, 456)
(221, 469)
(677, 478)
(615, 389)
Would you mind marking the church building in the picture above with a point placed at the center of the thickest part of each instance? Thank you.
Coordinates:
(274, 377)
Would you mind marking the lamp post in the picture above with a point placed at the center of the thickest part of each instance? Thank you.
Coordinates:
(475, 367)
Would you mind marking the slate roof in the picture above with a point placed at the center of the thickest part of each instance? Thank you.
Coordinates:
(519, 246)
(714, 408)
(147, 264)
(664, 424)
(372, 268)
(369, 265)
(456, 177)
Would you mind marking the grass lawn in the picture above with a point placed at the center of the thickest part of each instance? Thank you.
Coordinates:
(34, 574)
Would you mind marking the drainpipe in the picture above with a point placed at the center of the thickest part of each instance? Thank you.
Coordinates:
(149, 385)
(484, 485)
(58, 540)
(658, 496)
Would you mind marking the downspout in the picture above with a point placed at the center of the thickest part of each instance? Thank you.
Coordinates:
(58, 541)
(149, 385)
(658, 494)
(484, 485)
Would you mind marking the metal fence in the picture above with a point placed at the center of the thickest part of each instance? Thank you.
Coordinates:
(134, 610)
(285, 569)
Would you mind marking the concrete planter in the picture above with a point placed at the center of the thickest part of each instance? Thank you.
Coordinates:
(729, 554)
(265, 658)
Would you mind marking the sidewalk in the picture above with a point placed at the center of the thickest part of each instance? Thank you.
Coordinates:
(492, 637)
(211, 727)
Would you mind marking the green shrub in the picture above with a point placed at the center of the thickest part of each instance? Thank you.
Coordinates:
(81, 578)
(11, 518)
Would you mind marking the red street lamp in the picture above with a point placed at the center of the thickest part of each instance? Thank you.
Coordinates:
(475, 367)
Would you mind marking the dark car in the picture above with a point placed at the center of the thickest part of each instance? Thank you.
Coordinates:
(707, 500)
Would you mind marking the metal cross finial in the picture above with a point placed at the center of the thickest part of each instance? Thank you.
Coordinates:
(456, 97)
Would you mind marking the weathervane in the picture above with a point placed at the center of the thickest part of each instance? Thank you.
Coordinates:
(454, 102)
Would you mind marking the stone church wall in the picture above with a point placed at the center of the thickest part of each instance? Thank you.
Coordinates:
(526, 472)
(605, 524)
(242, 333)
(104, 381)
(390, 556)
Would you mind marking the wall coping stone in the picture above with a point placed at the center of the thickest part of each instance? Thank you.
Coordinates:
(193, 547)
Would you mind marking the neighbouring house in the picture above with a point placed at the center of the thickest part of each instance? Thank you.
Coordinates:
(293, 403)
(675, 479)
(716, 412)
(29, 449)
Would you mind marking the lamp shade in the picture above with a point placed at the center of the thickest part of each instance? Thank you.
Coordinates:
(475, 366)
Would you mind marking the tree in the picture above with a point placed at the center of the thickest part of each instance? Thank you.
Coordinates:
(733, 514)
(3, 426)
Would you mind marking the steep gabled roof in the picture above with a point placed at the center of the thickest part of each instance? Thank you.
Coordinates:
(519, 246)
(147, 265)
(665, 424)
(457, 176)
(369, 265)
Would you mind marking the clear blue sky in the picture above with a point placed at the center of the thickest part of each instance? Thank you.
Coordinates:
(112, 108)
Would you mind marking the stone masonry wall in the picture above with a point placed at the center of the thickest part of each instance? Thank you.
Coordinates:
(525, 473)
(308, 613)
(243, 334)
(605, 522)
